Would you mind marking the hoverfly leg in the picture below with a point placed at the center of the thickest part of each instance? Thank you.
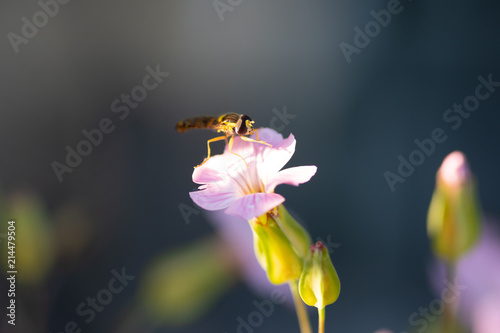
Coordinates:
(244, 138)
(208, 147)
(230, 146)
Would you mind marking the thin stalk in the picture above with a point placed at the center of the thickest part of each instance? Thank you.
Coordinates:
(321, 320)
(449, 315)
(305, 325)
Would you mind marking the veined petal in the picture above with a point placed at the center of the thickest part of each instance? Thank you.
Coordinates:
(269, 160)
(272, 137)
(213, 197)
(274, 159)
(291, 176)
(254, 205)
(206, 175)
(243, 148)
(265, 134)
(210, 172)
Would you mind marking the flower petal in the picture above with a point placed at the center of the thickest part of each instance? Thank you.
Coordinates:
(275, 158)
(213, 196)
(254, 205)
(270, 136)
(210, 172)
(291, 176)
(265, 134)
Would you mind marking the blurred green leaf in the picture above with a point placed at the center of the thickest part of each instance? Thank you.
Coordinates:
(178, 287)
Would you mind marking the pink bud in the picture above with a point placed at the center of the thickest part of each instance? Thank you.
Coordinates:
(454, 170)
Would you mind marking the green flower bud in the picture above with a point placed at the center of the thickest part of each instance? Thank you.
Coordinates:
(274, 251)
(319, 283)
(293, 230)
(453, 219)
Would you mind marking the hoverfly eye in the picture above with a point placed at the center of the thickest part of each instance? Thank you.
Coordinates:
(241, 125)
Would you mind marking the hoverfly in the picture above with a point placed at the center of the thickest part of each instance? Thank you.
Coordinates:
(230, 124)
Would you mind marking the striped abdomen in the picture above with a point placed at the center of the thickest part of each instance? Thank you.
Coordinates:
(207, 122)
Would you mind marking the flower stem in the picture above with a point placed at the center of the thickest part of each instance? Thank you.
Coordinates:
(449, 315)
(321, 320)
(305, 325)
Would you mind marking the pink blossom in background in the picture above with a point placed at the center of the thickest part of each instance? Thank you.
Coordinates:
(479, 271)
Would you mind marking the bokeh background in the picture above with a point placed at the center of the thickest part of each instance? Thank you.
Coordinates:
(121, 207)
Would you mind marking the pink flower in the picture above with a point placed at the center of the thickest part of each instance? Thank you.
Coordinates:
(248, 192)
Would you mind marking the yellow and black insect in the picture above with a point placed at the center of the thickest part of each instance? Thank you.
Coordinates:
(230, 124)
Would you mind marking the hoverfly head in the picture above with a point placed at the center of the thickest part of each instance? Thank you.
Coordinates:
(244, 125)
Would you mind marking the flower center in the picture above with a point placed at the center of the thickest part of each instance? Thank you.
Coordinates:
(246, 179)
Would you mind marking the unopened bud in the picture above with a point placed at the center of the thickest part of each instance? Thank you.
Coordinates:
(453, 219)
(274, 251)
(319, 283)
(298, 236)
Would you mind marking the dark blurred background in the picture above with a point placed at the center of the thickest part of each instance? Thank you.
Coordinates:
(121, 206)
